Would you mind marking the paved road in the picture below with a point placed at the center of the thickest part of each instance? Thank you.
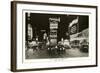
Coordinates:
(44, 53)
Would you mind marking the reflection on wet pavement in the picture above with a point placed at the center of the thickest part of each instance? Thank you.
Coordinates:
(54, 53)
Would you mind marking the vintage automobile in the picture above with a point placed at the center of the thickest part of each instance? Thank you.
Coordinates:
(84, 46)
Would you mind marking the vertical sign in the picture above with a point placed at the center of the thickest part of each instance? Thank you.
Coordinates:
(53, 30)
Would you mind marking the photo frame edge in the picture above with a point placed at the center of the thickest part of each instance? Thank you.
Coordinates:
(14, 36)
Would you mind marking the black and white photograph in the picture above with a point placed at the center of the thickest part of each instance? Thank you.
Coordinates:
(56, 36)
(52, 36)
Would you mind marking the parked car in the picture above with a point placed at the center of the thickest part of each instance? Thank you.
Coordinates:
(84, 46)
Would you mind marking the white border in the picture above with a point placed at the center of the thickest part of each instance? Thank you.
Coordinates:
(47, 63)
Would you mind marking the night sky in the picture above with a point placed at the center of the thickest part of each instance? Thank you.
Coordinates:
(41, 22)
